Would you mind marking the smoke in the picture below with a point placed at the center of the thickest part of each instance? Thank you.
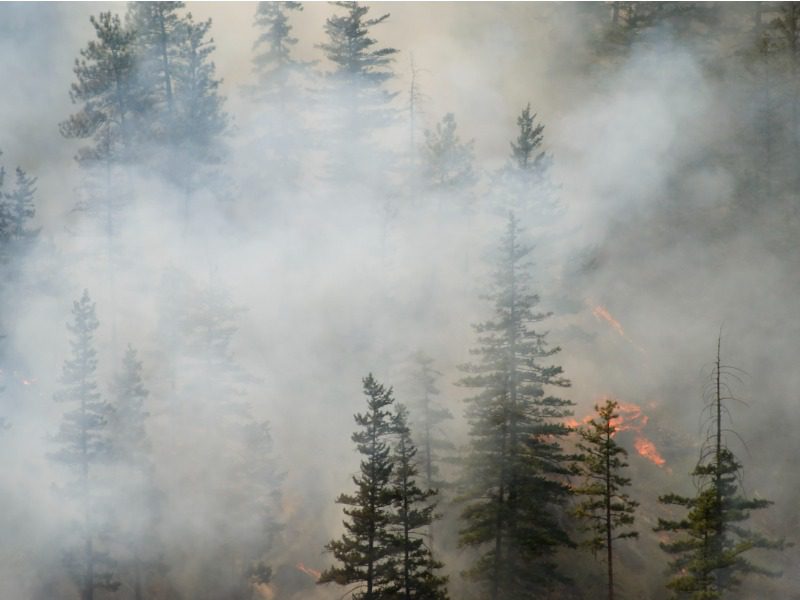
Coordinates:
(329, 281)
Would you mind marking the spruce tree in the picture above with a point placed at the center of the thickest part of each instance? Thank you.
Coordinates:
(515, 485)
(358, 99)
(279, 90)
(365, 551)
(274, 63)
(414, 565)
(710, 543)
(523, 185)
(606, 509)
(84, 444)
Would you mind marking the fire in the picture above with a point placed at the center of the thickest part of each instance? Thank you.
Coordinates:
(632, 418)
(308, 571)
(648, 449)
(601, 313)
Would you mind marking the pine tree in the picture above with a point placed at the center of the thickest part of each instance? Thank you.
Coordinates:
(84, 442)
(279, 89)
(515, 468)
(17, 210)
(710, 543)
(158, 29)
(358, 97)
(107, 88)
(447, 161)
(607, 508)
(523, 185)
(365, 550)
(202, 122)
(414, 565)
(274, 64)
(136, 483)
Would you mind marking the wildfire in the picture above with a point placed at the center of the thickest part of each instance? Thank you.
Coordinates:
(313, 573)
(601, 313)
(632, 418)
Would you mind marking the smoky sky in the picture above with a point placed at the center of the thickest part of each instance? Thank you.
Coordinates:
(332, 288)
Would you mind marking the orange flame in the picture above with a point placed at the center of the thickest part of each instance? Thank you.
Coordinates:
(648, 449)
(601, 313)
(632, 418)
(313, 573)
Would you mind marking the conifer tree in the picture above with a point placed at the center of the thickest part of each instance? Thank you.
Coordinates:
(524, 185)
(106, 87)
(17, 209)
(414, 565)
(358, 99)
(607, 508)
(279, 89)
(202, 122)
(158, 29)
(274, 64)
(710, 543)
(515, 472)
(365, 551)
(447, 161)
(359, 69)
(84, 443)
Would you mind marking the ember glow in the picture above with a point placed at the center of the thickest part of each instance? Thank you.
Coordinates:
(313, 573)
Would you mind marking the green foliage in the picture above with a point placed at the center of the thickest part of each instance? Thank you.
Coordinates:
(365, 551)
(414, 566)
(111, 101)
(606, 508)
(709, 544)
(515, 477)
(360, 70)
(523, 185)
(274, 64)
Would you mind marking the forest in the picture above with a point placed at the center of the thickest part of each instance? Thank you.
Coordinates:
(394, 301)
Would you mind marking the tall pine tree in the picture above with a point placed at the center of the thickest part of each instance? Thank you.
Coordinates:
(606, 508)
(365, 551)
(84, 444)
(415, 568)
(515, 485)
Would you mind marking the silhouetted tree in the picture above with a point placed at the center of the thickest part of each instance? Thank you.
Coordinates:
(710, 543)
(515, 466)
(364, 552)
(414, 565)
